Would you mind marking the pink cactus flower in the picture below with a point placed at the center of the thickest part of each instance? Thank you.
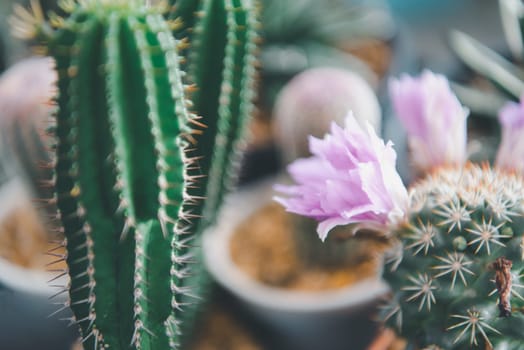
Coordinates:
(511, 149)
(351, 178)
(434, 119)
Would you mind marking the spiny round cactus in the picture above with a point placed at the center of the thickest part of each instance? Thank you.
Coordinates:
(457, 275)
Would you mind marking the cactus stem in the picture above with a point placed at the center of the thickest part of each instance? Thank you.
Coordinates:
(128, 184)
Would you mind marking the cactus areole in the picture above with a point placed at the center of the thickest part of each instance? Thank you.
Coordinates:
(457, 281)
(132, 160)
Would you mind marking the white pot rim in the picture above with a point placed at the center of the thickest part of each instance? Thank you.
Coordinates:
(30, 280)
(16, 277)
(220, 265)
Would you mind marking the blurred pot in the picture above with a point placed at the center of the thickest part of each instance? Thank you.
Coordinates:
(335, 319)
(32, 309)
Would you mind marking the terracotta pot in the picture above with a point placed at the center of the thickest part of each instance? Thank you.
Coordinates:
(335, 319)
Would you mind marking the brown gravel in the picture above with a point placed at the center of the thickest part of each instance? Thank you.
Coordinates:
(220, 331)
(23, 238)
(264, 248)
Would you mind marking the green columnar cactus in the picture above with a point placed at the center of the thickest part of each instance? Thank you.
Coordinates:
(225, 85)
(130, 179)
(457, 281)
(223, 40)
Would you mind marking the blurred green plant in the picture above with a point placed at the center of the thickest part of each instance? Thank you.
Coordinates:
(302, 34)
(496, 79)
(505, 75)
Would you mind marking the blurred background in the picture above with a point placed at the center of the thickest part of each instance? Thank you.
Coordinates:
(372, 39)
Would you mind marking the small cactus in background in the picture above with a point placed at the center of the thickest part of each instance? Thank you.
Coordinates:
(134, 164)
(305, 108)
(312, 99)
(458, 259)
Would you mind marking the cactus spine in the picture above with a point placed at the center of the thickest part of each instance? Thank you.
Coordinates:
(129, 172)
(458, 280)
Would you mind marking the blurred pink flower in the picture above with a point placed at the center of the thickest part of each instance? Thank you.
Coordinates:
(351, 178)
(433, 117)
(511, 150)
(27, 91)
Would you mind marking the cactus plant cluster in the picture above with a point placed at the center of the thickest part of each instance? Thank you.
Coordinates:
(140, 144)
(456, 266)
(457, 280)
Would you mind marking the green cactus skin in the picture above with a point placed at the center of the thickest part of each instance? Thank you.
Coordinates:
(460, 222)
(128, 168)
(224, 42)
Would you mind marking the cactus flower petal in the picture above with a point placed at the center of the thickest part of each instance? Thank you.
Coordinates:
(511, 149)
(434, 119)
(351, 178)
